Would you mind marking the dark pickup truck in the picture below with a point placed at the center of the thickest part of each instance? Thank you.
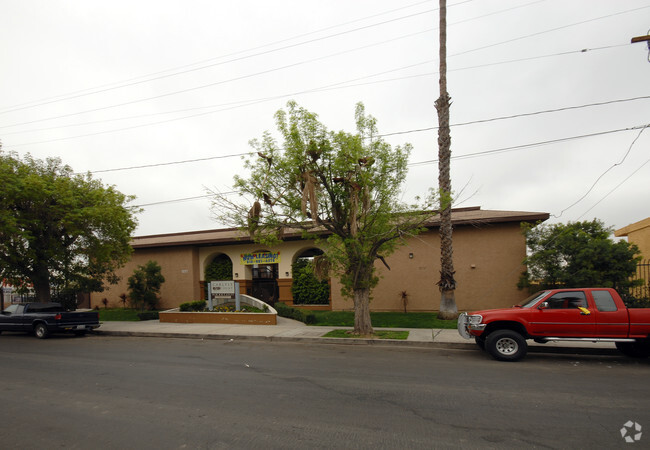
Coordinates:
(45, 318)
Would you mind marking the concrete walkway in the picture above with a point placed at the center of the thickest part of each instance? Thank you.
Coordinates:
(288, 330)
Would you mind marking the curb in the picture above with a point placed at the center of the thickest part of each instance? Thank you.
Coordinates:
(351, 341)
(336, 341)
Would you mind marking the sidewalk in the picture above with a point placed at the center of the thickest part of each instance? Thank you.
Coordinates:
(288, 330)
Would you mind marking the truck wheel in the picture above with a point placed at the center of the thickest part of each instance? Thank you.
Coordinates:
(506, 345)
(638, 349)
(40, 330)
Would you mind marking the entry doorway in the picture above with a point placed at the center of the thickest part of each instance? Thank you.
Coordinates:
(265, 283)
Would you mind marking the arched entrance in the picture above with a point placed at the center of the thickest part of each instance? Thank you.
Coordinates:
(307, 288)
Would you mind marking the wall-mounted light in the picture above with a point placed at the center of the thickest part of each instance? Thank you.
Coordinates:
(236, 275)
(410, 255)
(286, 274)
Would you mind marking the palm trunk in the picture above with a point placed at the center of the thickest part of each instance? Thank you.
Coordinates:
(447, 283)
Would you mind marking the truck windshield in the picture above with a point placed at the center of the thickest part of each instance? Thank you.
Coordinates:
(533, 299)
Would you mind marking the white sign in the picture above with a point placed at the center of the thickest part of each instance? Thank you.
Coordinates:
(222, 288)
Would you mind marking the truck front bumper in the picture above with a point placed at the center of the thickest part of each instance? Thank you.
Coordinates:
(469, 325)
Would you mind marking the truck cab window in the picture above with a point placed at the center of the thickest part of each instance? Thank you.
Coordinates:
(604, 301)
(567, 300)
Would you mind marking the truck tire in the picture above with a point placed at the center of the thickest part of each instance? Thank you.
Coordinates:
(40, 331)
(480, 341)
(638, 349)
(506, 345)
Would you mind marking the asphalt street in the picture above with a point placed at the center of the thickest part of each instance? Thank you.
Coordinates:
(134, 392)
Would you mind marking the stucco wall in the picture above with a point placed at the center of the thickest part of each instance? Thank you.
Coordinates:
(487, 261)
(638, 233)
(179, 267)
(641, 237)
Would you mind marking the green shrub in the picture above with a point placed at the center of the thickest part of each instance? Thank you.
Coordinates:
(148, 315)
(219, 269)
(144, 285)
(198, 305)
(305, 288)
(306, 317)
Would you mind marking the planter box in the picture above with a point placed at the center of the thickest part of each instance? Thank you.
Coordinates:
(237, 318)
(176, 316)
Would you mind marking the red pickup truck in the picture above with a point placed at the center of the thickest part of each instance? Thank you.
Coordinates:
(588, 314)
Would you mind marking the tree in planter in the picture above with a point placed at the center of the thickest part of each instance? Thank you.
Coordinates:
(578, 254)
(342, 189)
(306, 288)
(144, 285)
(58, 229)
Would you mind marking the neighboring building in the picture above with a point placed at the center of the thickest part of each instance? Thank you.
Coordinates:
(638, 233)
(489, 249)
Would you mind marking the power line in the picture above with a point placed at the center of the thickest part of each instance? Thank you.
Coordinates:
(172, 163)
(131, 81)
(296, 64)
(334, 86)
(177, 200)
(604, 173)
(407, 132)
(513, 116)
(550, 30)
(216, 83)
(466, 156)
(414, 131)
(525, 146)
(240, 104)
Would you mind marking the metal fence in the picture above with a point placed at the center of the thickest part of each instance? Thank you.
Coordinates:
(642, 273)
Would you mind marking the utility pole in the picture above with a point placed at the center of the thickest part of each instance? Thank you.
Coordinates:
(645, 38)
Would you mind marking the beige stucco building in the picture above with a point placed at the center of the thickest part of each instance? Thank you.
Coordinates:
(488, 252)
(638, 233)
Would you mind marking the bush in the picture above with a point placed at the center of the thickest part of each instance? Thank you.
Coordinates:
(197, 306)
(306, 317)
(306, 289)
(144, 285)
(148, 315)
(219, 269)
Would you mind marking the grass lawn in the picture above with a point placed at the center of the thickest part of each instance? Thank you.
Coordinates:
(384, 320)
(379, 334)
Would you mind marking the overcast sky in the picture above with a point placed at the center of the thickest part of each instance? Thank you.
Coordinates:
(121, 84)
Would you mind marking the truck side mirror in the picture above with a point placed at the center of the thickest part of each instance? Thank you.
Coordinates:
(543, 305)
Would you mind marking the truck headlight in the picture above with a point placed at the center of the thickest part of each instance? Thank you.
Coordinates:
(474, 319)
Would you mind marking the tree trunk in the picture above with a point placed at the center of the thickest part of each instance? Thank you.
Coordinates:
(362, 323)
(41, 282)
(447, 283)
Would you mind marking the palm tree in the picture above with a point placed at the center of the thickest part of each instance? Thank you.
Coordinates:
(447, 283)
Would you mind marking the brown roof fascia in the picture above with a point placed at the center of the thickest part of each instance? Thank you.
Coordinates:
(225, 236)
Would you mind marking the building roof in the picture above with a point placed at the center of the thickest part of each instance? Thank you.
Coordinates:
(645, 223)
(459, 216)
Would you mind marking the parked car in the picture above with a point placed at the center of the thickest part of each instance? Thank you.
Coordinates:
(589, 314)
(45, 318)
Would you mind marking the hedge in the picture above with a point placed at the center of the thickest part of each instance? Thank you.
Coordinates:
(296, 314)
